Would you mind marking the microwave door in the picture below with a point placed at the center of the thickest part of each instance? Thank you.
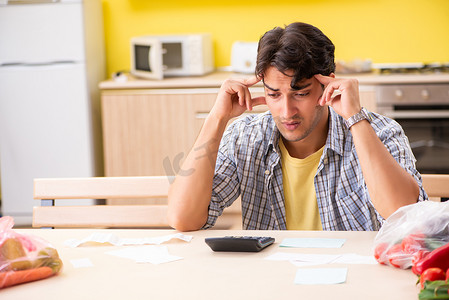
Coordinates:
(147, 61)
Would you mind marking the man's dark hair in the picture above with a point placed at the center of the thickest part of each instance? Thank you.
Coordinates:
(299, 47)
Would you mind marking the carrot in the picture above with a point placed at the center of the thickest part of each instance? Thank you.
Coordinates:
(10, 278)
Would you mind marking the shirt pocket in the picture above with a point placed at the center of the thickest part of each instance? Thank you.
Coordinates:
(356, 211)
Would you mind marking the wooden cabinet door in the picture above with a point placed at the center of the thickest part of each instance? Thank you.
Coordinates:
(150, 133)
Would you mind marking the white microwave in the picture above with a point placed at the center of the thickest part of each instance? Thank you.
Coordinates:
(156, 56)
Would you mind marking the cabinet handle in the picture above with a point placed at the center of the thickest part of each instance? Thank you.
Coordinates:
(203, 115)
(417, 114)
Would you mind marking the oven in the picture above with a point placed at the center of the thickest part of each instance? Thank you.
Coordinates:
(423, 112)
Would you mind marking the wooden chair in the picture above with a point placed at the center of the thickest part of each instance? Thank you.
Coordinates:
(436, 185)
(51, 189)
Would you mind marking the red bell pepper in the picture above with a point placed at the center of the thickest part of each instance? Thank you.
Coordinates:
(438, 258)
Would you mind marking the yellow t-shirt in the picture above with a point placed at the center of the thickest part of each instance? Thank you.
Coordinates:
(301, 207)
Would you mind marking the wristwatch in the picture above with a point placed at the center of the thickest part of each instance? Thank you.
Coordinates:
(362, 115)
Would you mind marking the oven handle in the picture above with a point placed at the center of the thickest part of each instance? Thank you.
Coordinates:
(417, 114)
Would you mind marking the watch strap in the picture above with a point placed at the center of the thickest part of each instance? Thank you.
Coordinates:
(361, 115)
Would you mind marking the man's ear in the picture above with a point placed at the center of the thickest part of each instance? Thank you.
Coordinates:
(332, 75)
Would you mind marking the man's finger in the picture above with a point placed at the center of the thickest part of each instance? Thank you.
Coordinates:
(242, 100)
(248, 99)
(251, 81)
(329, 91)
(325, 80)
(259, 101)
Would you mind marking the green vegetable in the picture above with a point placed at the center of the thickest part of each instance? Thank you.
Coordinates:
(437, 289)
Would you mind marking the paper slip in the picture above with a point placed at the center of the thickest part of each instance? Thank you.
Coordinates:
(146, 254)
(109, 238)
(321, 276)
(81, 263)
(302, 259)
(312, 243)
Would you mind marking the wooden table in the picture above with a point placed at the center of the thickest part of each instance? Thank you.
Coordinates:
(204, 274)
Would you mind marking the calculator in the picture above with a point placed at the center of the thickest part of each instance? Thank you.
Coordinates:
(239, 243)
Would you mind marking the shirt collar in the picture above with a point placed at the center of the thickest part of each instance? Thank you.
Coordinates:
(336, 134)
(274, 137)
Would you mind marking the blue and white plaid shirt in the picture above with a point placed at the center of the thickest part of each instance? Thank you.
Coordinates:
(249, 165)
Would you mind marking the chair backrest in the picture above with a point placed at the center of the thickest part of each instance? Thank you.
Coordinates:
(50, 189)
(436, 185)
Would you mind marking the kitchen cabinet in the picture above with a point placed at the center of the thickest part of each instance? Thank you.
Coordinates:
(142, 129)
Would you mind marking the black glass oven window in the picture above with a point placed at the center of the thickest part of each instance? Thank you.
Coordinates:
(172, 56)
(142, 61)
(429, 140)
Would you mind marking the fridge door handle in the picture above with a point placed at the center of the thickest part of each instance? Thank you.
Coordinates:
(15, 2)
(38, 64)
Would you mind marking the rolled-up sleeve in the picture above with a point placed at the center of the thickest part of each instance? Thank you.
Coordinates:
(225, 187)
(393, 137)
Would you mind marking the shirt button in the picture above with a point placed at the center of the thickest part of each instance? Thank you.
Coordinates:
(267, 172)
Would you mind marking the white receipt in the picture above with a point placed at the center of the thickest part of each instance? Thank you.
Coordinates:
(109, 238)
(81, 263)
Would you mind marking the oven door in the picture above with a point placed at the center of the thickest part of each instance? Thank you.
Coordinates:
(428, 132)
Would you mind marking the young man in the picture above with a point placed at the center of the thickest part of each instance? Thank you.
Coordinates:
(313, 161)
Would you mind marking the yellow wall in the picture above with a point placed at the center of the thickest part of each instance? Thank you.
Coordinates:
(382, 30)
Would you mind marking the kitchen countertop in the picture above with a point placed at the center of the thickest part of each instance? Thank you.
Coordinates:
(215, 79)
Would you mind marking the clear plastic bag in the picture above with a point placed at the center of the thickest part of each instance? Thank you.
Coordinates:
(24, 258)
(411, 233)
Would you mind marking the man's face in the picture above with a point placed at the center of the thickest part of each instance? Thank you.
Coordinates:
(295, 111)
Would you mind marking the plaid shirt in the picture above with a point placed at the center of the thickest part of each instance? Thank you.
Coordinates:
(248, 165)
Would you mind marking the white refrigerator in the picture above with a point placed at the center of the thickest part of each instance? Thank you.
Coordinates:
(51, 60)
